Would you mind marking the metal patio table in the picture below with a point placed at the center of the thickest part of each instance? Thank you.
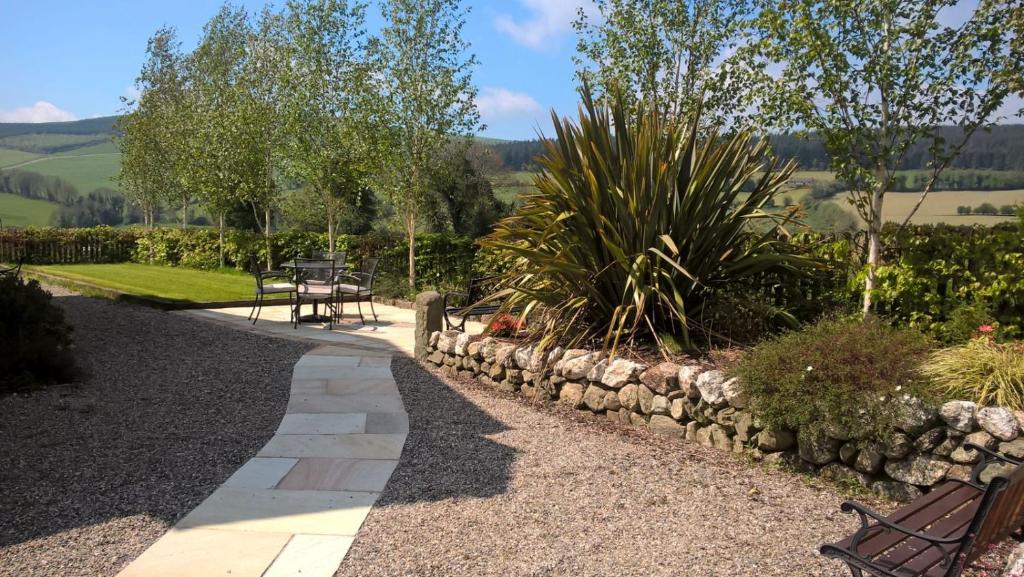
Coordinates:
(316, 266)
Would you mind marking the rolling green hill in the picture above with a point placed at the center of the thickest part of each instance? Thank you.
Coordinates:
(101, 125)
(85, 172)
(10, 157)
(18, 211)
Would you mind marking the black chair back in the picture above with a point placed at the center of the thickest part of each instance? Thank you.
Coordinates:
(368, 272)
(316, 271)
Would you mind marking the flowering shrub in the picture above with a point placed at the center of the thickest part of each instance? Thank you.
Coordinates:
(843, 373)
(505, 325)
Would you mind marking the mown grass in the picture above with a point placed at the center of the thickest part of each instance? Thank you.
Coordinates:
(19, 211)
(162, 282)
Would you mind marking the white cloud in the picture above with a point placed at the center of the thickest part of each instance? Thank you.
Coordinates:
(548, 19)
(501, 102)
(41, 111)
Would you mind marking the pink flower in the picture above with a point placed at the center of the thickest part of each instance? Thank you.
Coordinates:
(986, 329)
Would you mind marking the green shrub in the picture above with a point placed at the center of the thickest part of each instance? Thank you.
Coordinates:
(637, 223)
(983, 371)
(832, 370)
(35, 340)
(962, 324)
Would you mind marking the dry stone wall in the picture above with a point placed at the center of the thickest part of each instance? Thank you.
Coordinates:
(705, 406)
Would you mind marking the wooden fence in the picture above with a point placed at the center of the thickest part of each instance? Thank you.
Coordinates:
(65, 251)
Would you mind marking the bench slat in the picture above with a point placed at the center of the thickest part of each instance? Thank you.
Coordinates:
(919, 556)
(915, 516)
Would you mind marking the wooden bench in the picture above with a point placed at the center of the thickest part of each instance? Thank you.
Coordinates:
(474, 294)
(939, 533)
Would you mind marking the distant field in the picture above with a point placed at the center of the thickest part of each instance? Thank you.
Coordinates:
(86, 173)
(19, 211)
(10, 156)
(48, 142)
(508, 186)
(105, 147)
(941, 206)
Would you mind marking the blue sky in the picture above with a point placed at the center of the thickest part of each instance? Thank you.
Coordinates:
(67, 60)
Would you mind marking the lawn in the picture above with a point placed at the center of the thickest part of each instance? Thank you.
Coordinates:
(941, 206)
(19, 211)
(171, 283)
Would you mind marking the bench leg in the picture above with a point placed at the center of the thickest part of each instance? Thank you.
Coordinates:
(855, 571)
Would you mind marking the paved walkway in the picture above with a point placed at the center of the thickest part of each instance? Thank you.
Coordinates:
(295, 508)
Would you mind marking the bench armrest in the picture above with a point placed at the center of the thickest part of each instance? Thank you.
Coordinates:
(988, 457)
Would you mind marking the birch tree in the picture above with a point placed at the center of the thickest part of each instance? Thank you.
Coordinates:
(871, 78)
(424, 71)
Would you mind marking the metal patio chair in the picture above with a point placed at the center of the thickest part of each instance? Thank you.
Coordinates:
(264, 288)
(359, 284)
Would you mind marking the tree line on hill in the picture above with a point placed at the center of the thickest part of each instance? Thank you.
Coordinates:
(999, 149)
(100, 206)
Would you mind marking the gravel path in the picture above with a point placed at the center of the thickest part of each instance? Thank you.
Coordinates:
(91, 474)
(491, 485)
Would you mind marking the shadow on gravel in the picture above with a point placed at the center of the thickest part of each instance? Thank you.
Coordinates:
(171, 406)
(447, 454)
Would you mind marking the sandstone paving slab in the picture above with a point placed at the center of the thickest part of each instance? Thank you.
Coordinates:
(282, 511)
(313, 403)
(387, 422)
(260, 473)
(323, 424)
(366, 446)
(344, 428)
(339, 475)
(310, 556)
(208, 553)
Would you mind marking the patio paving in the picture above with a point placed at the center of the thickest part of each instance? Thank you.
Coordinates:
(295, 508)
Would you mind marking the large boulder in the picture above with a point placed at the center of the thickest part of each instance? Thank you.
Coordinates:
(593, 398)
(734, 394)
(714, 436)
(817, 447)
(434, 336)
(619, 372)
(959, 415)
(661, 378)
(597, 373)
(999, 422)
(571, 394)
(1013, 449)
(462, 343)
(686, 380)
(896, 491)
(923, 470)
(710, 384)
(897, 446)
(964, 455)
(473, 350)
(646, 398)
(930, 439)
(488, 346)
(659, 405)
(842, 473)
(611, 401)
(774, 440)
(665, 425)
(677, 409)
(869, 460)
(522, 357)
(503, 355)
(745, 428)
(566, 357)
(446, 341)
(914, 416)
(629, 397)
(578, 367)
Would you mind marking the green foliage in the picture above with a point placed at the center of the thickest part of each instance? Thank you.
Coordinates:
(962, 323)
(35, 340)
(831, 371)
(664, 53)
(637, 224)
(462, 200)
(984, 371)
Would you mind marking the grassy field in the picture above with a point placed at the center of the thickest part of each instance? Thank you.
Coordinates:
(179, 284)
(47, 142)
(9, 156)
(941, 206)
(19, 211)
(85, 173)
(508, 186)
(105, 147)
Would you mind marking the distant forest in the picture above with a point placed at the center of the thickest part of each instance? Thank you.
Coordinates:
(1000, 149)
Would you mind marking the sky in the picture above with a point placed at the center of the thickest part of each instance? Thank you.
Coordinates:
(67, 60)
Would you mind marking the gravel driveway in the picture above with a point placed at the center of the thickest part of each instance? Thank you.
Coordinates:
(490, 485)
(91, 474)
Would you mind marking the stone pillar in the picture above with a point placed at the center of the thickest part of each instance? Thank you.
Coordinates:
(428, 319)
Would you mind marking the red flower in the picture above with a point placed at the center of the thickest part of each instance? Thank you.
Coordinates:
(986, 329)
